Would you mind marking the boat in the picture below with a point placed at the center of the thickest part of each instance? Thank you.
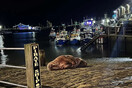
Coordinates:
(61, 38)
(85, 38)
(52, 34)
(75, 39)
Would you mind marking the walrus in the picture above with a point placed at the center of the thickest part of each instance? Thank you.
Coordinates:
(65, 62)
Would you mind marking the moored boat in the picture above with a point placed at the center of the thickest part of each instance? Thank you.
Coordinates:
(52, 34)
(75, 39)
(85, 38)
(61, 38)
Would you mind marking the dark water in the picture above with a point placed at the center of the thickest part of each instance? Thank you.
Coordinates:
(115, 47)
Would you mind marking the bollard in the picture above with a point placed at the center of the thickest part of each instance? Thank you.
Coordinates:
(42, 57)
(32, 65)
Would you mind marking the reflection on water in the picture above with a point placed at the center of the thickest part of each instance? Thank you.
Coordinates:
(118, 44)
(14, 57)
(114, 48)
(3, 56)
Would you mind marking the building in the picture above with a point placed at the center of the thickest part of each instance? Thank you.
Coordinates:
(21, 26)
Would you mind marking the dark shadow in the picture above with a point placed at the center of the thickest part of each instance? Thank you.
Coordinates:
(85, 66)
(46, 87)
(6, 86)
(10, 86)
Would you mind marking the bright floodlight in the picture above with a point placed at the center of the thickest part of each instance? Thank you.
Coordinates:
(0, 26)
(29, 27)
(89, 22)
(103, 21)
(94, 21)
(115, 11)
(107, 20)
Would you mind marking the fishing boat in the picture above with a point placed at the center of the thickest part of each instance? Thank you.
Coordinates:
(52, 34)
(85, 38)
(61, 38)
(75, 39)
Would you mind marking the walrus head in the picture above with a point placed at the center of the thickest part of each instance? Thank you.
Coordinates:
(80, 62)
(52, 66)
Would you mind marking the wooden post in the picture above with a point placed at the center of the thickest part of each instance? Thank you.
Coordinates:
(124, 31)
(108, 31)
(32, 65)
(42, 57)
(116, 31)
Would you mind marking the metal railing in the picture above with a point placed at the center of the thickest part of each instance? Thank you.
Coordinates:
(11, 48)
(32, 59)
(11, 66)
(119, 31)
(13, 84)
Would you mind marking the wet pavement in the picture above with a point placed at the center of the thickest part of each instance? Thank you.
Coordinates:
(104, 73)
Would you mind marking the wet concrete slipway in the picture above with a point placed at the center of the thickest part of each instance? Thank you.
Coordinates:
(109, 65)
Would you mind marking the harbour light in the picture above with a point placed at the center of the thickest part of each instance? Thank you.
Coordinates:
(107, 20)
(94, 21)
(29, 27)
(89, 22)
(91, 18)
(103, 21)
(115, 11)
(0, 26)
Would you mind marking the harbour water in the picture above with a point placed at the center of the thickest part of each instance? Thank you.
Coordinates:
(116, 49)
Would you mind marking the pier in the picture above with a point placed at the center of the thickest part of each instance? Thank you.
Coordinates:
(119, 32)
(110, 32)
(90, 42)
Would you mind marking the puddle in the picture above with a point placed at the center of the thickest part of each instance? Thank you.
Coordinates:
(128, 68)
(114, 59)
(122, 81)
(120, 59)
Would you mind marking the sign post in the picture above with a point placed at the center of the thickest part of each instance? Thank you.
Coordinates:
(32, 65)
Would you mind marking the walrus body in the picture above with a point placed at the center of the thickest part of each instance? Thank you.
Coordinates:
(66, 61)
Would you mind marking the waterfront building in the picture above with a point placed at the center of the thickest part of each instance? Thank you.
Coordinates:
(21, 26)
(118, 13)
(123, 12)
(121, 15)
(127, 9)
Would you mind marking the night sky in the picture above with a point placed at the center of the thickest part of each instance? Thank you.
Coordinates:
(35, 12)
